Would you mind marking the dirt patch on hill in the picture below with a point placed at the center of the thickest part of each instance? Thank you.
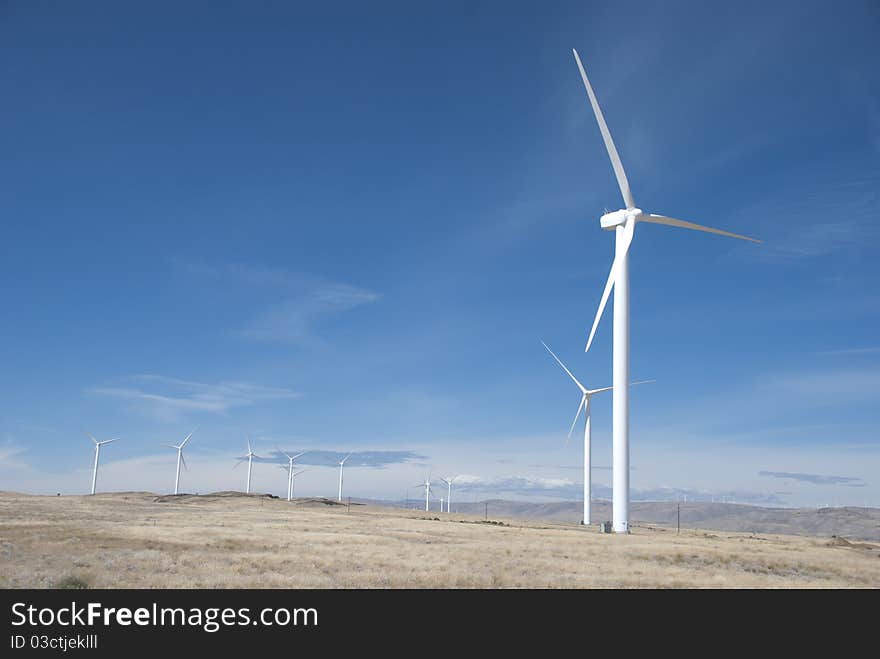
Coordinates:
(843, 542)
(303, 502)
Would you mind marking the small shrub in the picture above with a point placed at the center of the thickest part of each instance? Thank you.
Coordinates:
(71, 582)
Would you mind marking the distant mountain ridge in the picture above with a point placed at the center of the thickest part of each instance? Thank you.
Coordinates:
(847, 522)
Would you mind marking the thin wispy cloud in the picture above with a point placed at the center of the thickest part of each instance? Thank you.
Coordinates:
(563, 488)
(167, 398)
(284, 306)
(815, 240)
(576, 467)
(835, 216)
(874, 350)
(815, 479)
(9, 455)
(530, 485)
(854, 385)
(375, 459)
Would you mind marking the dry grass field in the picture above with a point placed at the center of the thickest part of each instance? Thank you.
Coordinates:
(138, 540)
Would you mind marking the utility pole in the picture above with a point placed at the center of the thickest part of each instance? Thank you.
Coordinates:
(349, 505)
(487, 511)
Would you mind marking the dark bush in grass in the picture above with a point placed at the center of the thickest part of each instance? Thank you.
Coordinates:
(71, 582)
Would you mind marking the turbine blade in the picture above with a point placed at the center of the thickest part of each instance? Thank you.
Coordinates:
(577, 414)
(171, 446)
(93, 438)
(297, 473)
(250, 449)
(672, 222)
(565, 368)
(628, 229)
(345, 458)
(299, 455)
(183, 460)
(599, 391)
(109, 441)
(240, 461)
(186, 440)
(622, 182)
(284, 453)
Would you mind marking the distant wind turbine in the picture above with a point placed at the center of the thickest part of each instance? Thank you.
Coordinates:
(179, 448)
(98, 446)
(623, 222)
(449, 480)
(290, 474)
(427, 486)
(250, 459)
(341, 467)
(291, 480)
(585, 405)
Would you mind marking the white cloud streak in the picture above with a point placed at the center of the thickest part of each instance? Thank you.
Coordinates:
(167, 398)
(285, 306)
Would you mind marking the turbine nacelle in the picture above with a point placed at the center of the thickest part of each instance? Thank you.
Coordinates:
(615, 219)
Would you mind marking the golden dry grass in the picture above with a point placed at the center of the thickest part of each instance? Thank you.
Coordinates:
(134, 541)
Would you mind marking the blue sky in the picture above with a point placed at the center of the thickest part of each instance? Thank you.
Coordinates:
(347, 229)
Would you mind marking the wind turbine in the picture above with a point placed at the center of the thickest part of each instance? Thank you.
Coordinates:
(623, 222)
(180, 459)
(341, 466)
(250, 459)
(449, 480)
(586, 397)
(290, 460)
(98, 446)
(291, 477)
(427, 486)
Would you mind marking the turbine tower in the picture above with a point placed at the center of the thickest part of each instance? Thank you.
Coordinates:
(98, 446)
(449, 480)
(623, 223)
(290, 473)
(341, 467)
(180, 459)
(250, 460)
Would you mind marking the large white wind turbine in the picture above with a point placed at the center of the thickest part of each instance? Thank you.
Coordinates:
(341, 467)
(585, 405)
(623, 222)
(290, 473)
(449, 480)
(250, 460)
(98, 446)
(179, 448)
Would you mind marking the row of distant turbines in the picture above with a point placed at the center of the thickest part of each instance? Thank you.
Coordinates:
(292, 471)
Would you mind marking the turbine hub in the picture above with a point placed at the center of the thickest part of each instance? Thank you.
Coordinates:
(615, 219)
